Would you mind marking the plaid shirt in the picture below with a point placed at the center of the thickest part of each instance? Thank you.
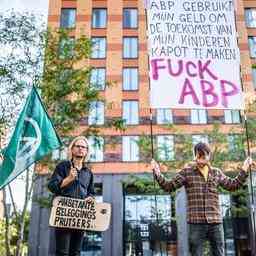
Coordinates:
(202, 196)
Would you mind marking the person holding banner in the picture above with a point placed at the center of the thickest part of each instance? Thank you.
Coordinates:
(72, 178)
(201, 180)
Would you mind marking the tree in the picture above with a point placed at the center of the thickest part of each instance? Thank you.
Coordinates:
(57, 65)
(21, 37)
(65, 86)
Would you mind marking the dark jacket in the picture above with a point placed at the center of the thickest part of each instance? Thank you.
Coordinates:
(202, 196)
(81, 188)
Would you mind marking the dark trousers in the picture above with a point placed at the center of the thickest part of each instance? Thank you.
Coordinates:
(199, 233)
(68, 242)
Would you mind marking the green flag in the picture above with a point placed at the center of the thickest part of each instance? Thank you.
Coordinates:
(34, 137)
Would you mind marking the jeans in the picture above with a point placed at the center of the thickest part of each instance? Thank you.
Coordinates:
(68, 242)
(199, 233)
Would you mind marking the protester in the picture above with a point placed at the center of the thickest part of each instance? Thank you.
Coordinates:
(201, 182)
(72, 178)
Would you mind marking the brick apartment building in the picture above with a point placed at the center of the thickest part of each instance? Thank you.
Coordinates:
(118, 29)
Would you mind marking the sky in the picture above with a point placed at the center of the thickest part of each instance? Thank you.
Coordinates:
(37, 7)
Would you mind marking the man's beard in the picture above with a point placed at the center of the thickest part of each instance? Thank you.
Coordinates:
(202, 164)
(78, 157)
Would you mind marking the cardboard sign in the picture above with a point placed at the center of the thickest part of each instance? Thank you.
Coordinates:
(80, 214)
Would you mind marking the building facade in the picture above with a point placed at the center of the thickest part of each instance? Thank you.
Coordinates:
(118, 32)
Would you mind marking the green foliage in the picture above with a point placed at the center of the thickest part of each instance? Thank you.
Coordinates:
(14, 227)
(65, 86)
(15, 221)
(222, 153)
(44, 201)
(22, 44)
(135, 184)
(251, 130)
(144, 144)
(118, 124)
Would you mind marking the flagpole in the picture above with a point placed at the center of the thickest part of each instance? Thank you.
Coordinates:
(252, 203)
(152, 141)
(252, 213)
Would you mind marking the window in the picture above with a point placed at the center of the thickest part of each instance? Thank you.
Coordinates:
(68, 18)
(131, 112)
(98, 78)
(232, 142)
(66, 48)
(99, 18)
(130, 47)
(96, 113)
(235, 147)
(164, 116)
(254, 77)
(130, 18)
(250, 17)
(96, 147)
(252, 46)
(92, 244)
(130, 148)
(165, 146)
(98, 48)
(254, 181)
(130, 79)
(198, 116)
(60, 154)
(199, 138)
(232, 116)
(141, 229)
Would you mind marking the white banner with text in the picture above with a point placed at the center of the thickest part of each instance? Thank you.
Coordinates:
(193, 54)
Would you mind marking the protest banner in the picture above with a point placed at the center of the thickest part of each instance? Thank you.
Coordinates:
(193, 55)
(80, 214)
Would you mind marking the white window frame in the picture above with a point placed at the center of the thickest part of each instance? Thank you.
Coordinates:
(96, 148)
(130, 48)
(231, 142)
(133, 15)
(250, 17)
(131, 112)
(254, 77)
(98, 78)
(252, 46)
(101, 14)
(60, 154)
(96, 113)
(99, 49)
(232, 116)
(196, 138)
(164, 116)
(68, 21)
(198, 116)
(130, 79)
(165, 147)
(130, 149)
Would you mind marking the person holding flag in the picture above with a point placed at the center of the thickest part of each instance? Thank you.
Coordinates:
(72, 178)
(201, 180)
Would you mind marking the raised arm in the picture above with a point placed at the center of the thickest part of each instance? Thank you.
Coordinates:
(232, 184)
(168, 185)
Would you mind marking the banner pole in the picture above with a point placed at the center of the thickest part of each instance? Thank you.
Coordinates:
(152, 147)
(252, 203)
